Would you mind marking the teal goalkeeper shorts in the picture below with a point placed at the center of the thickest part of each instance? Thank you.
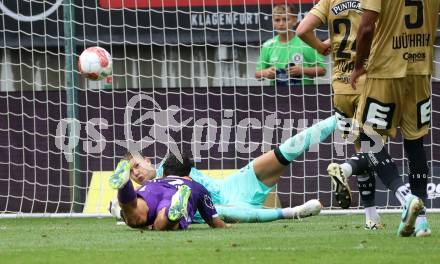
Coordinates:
(243, 189)
(238, 189)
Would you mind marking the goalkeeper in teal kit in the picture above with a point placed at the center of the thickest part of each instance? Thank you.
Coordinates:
(240, 197)
(285, 59)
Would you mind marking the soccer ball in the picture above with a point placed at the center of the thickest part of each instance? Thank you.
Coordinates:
(95, 63)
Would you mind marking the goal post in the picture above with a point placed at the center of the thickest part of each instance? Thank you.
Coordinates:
(183, 77)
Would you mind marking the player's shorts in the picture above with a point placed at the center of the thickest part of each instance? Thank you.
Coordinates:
(244, 189)
(389, 103)
(240, 189)
(346, 104)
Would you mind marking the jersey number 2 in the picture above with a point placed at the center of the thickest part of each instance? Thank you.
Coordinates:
(341, 50)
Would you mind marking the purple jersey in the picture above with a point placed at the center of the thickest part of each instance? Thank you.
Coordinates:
(157, 194)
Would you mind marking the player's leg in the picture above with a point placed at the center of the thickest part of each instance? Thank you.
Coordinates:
(250, 186)
(387, 108)
(382, 164)
(379, 111)
(243, 189)
(271, 165)
(367, 191)
(418, 180)
(378, 162)
(232, 214)
(380, 108)
(134, 209)
(345, 106)
(411, 210)
(415, 125)
(309, 208)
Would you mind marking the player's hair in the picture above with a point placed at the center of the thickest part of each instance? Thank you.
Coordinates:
(174, 166)
(283, 10)
(128, 156)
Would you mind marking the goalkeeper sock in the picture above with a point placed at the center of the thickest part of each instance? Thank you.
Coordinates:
(289, 212)
(127, 193)
(248, 215)
(298, 144)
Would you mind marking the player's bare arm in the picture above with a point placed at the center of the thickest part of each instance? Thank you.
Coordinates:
(305, 32)
(216, 222)
(364, 39)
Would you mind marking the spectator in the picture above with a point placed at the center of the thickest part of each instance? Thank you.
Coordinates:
(285, 59)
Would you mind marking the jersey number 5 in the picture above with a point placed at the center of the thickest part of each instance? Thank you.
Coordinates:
(419, 17)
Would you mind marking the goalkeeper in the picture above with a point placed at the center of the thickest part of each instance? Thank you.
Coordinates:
(240, 197)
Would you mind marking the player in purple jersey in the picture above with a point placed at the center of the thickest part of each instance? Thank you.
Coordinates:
(164, 204)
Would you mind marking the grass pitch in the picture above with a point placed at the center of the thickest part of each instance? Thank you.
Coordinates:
(321, 239)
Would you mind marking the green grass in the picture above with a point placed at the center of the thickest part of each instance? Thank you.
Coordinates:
(322, 239)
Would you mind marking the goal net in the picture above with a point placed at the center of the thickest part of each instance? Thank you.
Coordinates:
(183, 77)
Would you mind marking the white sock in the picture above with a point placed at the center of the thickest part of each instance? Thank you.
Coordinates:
(288, 212)
(346, 169)
(402, 194)
(371, 214)
(420, 218)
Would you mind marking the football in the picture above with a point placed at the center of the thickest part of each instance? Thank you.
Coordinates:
(95, 63)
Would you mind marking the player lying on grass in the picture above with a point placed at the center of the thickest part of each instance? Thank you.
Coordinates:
(163, 204)
(240, 197)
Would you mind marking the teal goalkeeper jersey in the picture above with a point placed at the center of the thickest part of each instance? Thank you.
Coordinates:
(280, 54)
